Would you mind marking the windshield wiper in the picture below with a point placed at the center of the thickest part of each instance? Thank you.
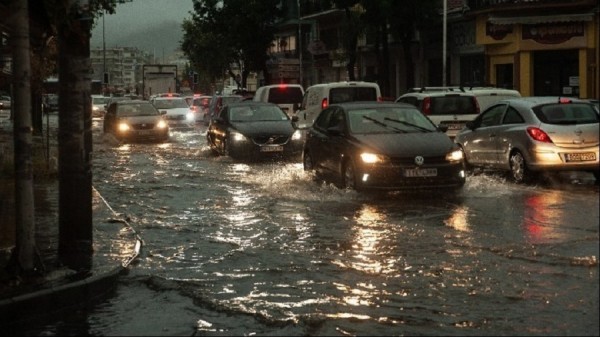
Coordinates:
(409, 124)
(383, 124)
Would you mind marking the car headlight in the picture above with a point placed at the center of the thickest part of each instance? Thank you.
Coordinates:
(123, 127)
(190, 116)
(297, 135)
(455, 155)
(238, 137)
(95, 108)
(161, 124)
(372, 158)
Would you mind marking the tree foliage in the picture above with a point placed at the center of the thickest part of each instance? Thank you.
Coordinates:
(222, 33)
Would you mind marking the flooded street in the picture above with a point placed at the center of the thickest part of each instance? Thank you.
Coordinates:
(233, 248)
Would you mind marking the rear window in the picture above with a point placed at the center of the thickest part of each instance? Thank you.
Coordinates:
(352, 94)
(572, 113)
(285, 95)
(204, 102)
(453, 105)
(231, 99)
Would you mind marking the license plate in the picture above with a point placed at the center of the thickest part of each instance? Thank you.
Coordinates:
(426, 172)
(144, 132)
(454, 126)
(589, 156)
(276, 148)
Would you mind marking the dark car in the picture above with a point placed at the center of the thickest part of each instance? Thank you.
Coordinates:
(382, 146)
(135, 120)
(217, 103)
(254, 130)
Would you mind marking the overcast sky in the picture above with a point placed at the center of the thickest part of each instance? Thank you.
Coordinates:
(152, 25)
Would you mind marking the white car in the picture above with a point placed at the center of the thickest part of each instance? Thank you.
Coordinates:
(176, 110)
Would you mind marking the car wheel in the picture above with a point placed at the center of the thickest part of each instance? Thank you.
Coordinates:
(468, 167)
(226, 150)
(349, 176)
(520, 173)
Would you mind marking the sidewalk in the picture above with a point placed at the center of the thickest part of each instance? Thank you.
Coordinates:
(56, 288)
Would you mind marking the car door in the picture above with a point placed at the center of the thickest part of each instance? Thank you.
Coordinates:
(109, 118)
(335, 140)
(317, 139)
(512, 125)
(481, 148)
(216, 129)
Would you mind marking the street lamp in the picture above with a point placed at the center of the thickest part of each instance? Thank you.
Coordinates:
(444, 44)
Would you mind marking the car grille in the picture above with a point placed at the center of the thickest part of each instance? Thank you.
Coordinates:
(176, 117)
(270, 139)
(143, 126)
(427, 161)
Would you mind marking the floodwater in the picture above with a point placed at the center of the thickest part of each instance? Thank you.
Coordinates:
(234, 248)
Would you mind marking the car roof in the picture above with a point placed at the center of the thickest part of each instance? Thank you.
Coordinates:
(345, 84)
(251, 103)
(371, 104)
(131, 101)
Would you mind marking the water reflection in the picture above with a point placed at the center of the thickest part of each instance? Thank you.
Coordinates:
(458, 219)
(541, 213)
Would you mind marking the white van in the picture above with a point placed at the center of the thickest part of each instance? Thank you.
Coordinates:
(320, 96)
(287, 96)
(488, 96)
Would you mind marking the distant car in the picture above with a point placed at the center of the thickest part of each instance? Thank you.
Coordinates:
(530, 135)
(254, 130)
(217, 103)
(176, 110)
(5, 102)
(200, 106)
(99, 105)
(287, 96)
(135, 120)
(381, 146)
(449, 106)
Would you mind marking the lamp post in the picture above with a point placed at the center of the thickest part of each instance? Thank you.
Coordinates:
(104, 77)
(444, 43)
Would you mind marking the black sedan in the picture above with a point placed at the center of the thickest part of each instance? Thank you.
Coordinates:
(382, 146)
(254, 131)
(135, 120)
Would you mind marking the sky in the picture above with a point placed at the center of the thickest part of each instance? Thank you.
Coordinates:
(151, 25)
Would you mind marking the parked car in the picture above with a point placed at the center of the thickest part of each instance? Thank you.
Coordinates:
(5, 102)
(530, 135)
(217, 103)
(449, 106)
(135, 120)
(319, 96)
(381, 146)
(287, 96)
(176, 110)
(99, 105)
(200, 105)
(254, 130)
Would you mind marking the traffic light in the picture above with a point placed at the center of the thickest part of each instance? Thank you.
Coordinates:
(195, 78)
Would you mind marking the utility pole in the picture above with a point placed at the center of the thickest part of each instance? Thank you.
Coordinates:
(445, 33)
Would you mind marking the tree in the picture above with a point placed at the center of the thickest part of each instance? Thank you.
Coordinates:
(353, 12)
(223, 33)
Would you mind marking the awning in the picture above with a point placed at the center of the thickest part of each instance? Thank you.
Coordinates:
(532, 20)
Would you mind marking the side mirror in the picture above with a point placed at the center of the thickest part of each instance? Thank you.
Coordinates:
(442, 127)
(335, 131)
(295, 119)
(470, 125)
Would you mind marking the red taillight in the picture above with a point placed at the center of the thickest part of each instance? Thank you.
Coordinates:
(564, 100)
(427, 105)
(324, 103)
(379, 99)
(538, 134)
(282, 86)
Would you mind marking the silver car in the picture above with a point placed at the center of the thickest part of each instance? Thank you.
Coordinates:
(529, 135)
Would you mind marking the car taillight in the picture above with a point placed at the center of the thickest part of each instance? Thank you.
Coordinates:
(282, 86)
(324, 103)
(427, 105)
(538, 134)
(379, 99)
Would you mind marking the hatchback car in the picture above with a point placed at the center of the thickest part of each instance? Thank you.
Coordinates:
(135, 120)
(533, 134)
(176, 110)
(99, 105)
(200, 106)
(217, 103)
(382, 146)
(254, 130)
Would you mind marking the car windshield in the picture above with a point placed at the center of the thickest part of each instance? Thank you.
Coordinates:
(204, 102)
(352, 94)
(285, 95)
(256, 113)
(453, 105)
(99, 100)
(170, 103)
(388, 120)
(130, 110)
(572, 113)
